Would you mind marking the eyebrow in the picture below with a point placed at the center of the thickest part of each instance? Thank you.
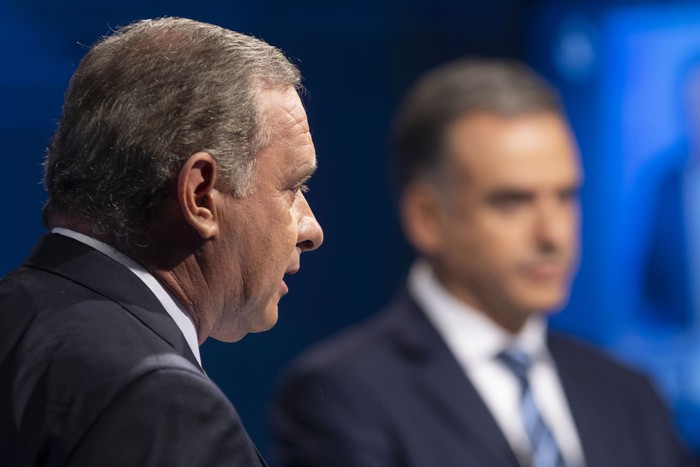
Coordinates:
(309, 173)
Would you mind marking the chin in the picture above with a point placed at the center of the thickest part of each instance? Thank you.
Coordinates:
(254, 322)
(228, 337)
(266, 320)
(548, 302)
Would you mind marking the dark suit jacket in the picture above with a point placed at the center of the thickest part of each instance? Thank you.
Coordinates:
(390, 393)
(93, 371)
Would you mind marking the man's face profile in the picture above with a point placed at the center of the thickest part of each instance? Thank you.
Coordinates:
(507, 217)
(263, 235)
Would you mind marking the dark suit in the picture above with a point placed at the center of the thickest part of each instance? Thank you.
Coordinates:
(390, 393)
(93, 371)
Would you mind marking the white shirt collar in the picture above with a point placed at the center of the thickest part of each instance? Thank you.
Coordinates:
(469, 333)
(176, 311)
(475, 340)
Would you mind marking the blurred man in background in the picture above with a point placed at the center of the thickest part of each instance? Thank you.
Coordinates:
(175, 201)
(460, 369)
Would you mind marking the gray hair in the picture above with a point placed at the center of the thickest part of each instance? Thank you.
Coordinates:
(452, 91)
(141, 102)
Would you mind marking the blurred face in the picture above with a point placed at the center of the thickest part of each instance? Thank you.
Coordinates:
(263, 235)
(505, 222)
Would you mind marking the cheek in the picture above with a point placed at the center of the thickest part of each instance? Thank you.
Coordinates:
(291, 225)
(282, 226)
(490, 250)
(494, 256)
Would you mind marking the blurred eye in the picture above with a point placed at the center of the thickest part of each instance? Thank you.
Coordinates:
(509, 201)
(569, 195)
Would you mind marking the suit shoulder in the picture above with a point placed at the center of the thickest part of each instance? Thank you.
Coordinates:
(363, 340)
(593, 361)
(169, 413)
(50, 318)
(72, 345)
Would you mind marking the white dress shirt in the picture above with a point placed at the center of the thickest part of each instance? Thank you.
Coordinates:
(475, 341)
(176, 311)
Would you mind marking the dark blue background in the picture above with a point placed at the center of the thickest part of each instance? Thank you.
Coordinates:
(357, 59)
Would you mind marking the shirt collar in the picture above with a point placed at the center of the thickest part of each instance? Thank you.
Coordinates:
(469, 333)
(172, 306)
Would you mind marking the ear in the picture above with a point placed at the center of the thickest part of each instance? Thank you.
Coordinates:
(421, 217)
(196, 194)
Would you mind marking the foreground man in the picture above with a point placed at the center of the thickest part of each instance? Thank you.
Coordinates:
(175, 201)
(460, 369)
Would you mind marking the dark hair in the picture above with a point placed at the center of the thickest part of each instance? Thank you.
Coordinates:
(456, 89)
(140, 103)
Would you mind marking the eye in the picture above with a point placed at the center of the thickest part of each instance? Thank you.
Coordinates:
(569, 195)
(300, 184)
(510, 201)
(303, 187)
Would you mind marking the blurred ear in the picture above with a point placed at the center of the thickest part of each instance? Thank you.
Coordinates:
(196, 194)
(421, 214)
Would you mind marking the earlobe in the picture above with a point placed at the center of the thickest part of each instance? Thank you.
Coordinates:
(420, 216)
(196, 194)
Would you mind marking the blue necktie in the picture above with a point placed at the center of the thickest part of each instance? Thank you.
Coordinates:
(545, 452)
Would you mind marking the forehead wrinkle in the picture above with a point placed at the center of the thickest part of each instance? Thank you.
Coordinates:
(293, 110)
(288, 121)
(295, 125)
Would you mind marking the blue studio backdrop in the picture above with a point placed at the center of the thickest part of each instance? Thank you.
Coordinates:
(625, 73)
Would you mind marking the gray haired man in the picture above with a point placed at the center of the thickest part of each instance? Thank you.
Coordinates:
(176, 206)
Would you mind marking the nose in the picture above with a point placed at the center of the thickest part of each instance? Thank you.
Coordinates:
(556, 225)
(310, 231)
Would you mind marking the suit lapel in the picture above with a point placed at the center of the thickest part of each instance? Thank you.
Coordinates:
(595, 435)
(80, 263)
(441, 382)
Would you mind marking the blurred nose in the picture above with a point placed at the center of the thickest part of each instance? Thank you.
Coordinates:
(310, 231)
(556, 225)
